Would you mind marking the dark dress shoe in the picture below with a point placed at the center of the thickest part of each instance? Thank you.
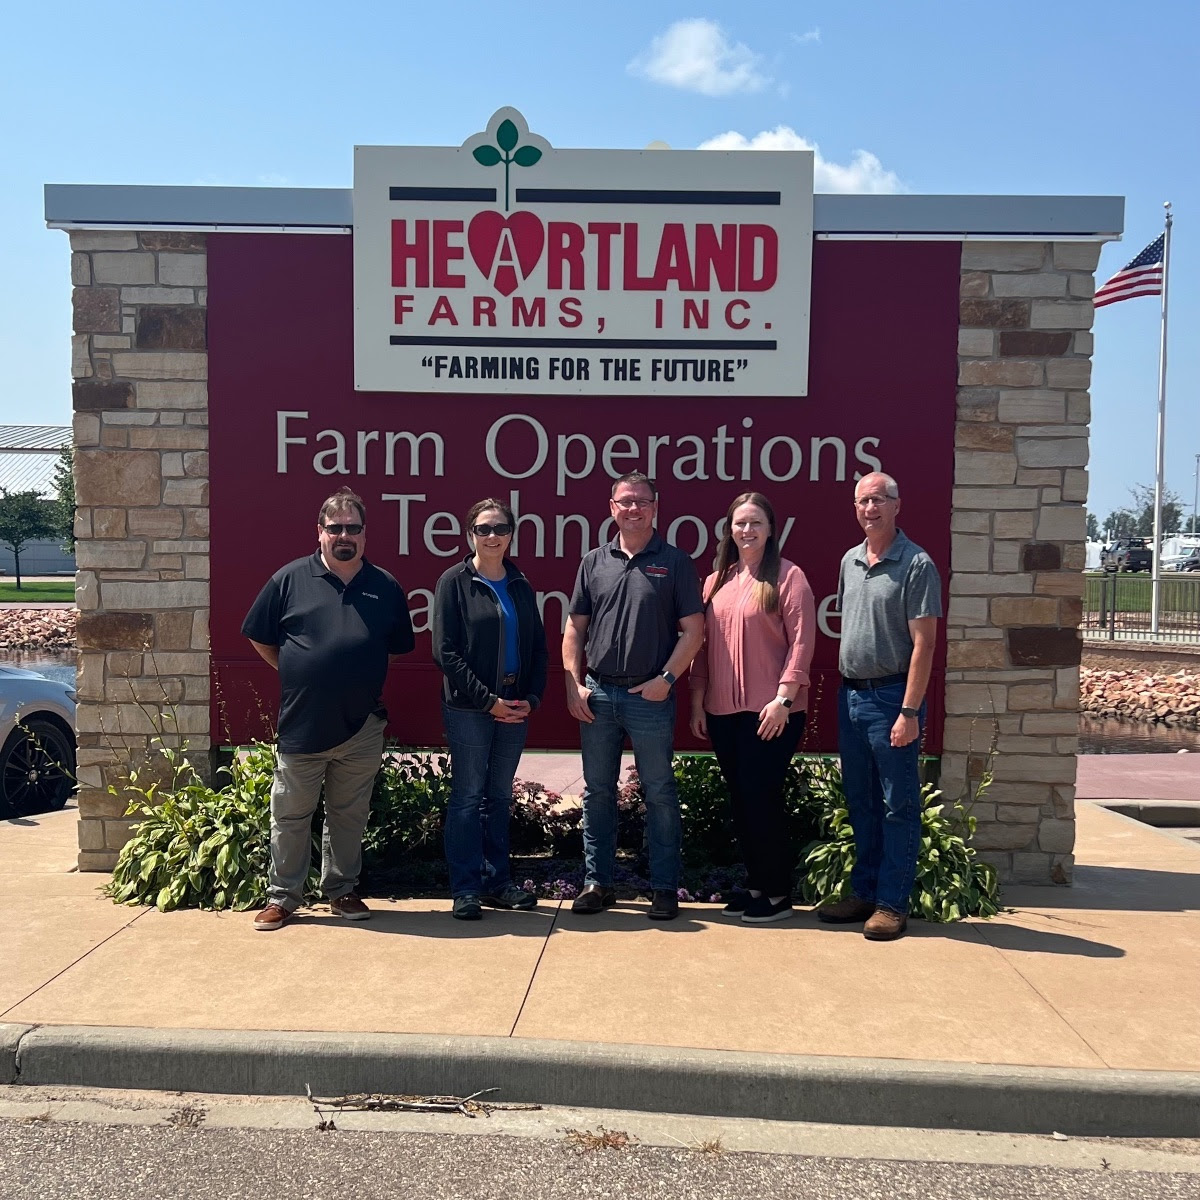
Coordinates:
(594, 899)
(665, 906)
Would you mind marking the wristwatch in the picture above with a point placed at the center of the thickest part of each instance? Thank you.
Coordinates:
(668, 677)
(784, 700)
(908, 712)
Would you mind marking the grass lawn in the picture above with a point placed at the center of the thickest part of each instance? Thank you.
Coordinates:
(1180, 593)
(49, 592)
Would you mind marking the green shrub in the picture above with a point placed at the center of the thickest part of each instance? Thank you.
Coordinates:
(952, 882)
(708, 836)
(408, 810)
(197, 846)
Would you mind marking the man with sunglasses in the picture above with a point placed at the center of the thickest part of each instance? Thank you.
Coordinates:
(329, 623)
(636, 622)
(890, 598)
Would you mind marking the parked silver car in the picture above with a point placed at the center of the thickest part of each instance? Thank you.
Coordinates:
(37, 759)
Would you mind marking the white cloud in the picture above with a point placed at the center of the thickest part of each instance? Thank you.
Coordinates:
(813, 35)
(863, 173)
(697, 56)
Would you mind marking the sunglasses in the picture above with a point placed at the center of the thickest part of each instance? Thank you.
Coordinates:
(335, 530)
(488, 530)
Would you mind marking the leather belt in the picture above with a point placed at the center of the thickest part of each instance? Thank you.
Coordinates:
(863, 685)
(625, 681)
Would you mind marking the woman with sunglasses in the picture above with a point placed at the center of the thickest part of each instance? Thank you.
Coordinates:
(749, 688)
(490, 643)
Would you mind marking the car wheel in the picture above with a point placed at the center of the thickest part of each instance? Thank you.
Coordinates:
(37, 769)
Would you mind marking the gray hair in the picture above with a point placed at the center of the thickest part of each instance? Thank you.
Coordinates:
(891, 488)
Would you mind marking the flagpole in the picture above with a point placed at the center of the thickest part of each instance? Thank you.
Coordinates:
(1156, 585)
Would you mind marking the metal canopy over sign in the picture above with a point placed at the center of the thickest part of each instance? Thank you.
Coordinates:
(507, 265)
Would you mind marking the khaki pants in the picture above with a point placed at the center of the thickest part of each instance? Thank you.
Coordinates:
(348, 774)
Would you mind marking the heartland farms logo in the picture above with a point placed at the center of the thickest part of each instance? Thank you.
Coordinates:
(510, 244)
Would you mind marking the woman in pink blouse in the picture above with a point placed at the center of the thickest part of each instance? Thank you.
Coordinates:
(749, 686)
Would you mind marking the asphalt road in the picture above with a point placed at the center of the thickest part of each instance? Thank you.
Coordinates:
(49, 1160)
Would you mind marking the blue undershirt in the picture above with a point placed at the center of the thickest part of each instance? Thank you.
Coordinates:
(512, 647)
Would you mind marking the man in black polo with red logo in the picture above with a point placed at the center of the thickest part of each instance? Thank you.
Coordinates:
(636, 622)
(329, 623)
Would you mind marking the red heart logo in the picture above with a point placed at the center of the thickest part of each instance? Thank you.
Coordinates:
(483, 239)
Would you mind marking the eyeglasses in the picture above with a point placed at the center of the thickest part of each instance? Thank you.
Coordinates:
(488, 530)
(336, 530)
(864, 501)
(636, 502)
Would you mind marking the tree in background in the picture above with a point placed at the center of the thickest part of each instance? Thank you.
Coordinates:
(64, 504)
(1143, 503)
(1093, 528)
(24, 517)
(1138, 520)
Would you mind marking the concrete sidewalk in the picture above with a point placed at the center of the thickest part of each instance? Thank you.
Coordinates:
(1079, 1011)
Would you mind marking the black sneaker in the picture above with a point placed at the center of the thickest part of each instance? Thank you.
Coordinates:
(509, 896)
(594, 899)
(760, 910)
(466, 908)
(739, 898)
(665, 906)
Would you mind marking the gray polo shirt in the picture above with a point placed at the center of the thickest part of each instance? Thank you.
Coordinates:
(877, 604)
(634, 605)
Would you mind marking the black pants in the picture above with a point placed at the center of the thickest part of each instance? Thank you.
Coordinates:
(754, 770)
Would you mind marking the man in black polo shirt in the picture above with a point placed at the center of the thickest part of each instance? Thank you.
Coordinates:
(329, 624)
(637, 621)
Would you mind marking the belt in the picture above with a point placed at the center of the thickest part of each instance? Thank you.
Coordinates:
(862, 685)
(508, 680)
(625, 681)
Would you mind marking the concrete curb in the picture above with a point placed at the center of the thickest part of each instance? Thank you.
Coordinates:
(854, 1091)
(10, 1040)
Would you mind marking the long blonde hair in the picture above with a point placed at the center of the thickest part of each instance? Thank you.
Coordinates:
(766, 580)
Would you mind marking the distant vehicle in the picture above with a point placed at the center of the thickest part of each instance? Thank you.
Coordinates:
(1191, 563)
(1126, 554)
(37, 758)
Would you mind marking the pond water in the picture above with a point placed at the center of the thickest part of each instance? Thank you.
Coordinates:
(54, 664)
(1097, 735)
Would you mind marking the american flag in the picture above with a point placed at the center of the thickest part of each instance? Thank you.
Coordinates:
(1141, 277)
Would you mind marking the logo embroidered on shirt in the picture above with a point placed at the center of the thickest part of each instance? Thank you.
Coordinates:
(370, 595)
(656, 570)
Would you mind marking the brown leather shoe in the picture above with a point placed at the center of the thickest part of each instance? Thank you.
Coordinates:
(885, 926)
(271, 917)
(350, 908)
(846, 912)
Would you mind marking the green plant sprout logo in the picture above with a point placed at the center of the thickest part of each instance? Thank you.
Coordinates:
(507, 137)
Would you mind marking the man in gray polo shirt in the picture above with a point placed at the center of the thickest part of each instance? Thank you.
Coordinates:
(636, 621)
(890, 598)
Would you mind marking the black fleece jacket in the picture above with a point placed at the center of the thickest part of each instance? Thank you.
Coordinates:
(468, 638)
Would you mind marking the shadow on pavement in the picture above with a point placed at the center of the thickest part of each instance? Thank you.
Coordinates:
(1114, 889)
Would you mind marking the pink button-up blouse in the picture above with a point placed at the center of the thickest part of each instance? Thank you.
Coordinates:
(748, 653)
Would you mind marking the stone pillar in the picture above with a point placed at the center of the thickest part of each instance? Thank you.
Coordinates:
(1017, 557)
(139, 362)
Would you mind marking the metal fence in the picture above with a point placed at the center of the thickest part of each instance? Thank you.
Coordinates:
(1117, 607)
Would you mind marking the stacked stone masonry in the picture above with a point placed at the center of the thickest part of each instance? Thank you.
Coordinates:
(140, 365)
(1017, 553)
(1021, 451)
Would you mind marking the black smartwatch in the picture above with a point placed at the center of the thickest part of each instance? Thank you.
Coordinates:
(668, 677)
(784, 700)
(908, 712)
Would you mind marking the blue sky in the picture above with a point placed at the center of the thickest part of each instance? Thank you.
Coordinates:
(1068, 97)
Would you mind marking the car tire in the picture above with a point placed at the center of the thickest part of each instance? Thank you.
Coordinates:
(37, 768)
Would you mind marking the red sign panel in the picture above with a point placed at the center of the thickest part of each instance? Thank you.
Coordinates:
(288, 428)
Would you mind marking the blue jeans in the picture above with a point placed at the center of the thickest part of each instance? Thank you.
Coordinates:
(484, 754)
(651, 730)
(883, 794)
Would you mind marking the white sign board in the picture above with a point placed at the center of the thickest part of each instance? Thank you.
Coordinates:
(508, 266)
